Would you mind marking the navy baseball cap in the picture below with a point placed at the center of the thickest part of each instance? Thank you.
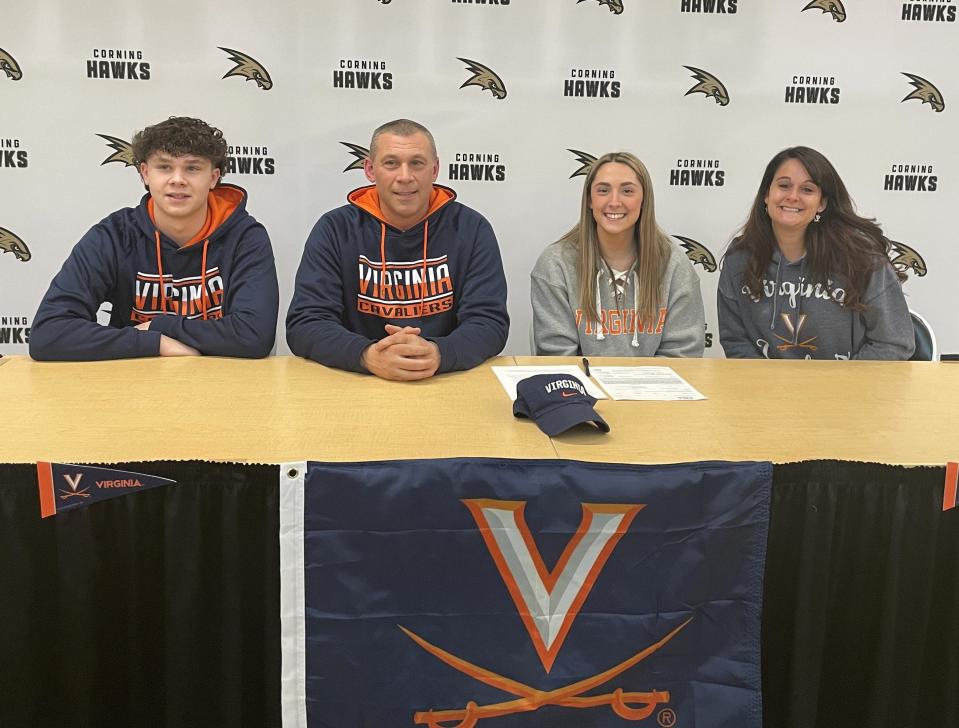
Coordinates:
(556, 402)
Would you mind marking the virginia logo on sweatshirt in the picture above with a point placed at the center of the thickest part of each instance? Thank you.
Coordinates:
(925, 92)
(9, 66)
(905, 259)
(805, 89)
(930, 11)
(250, 159)
(484, 77)
(585, 161)
(697, 173)
(122, 151)
(910, 177)
(708, 85)
(364, 74)
(13, 154)
(247, 68)
(184, 296)
(404, 289)
(118, 64)
(834, 8)
(10, 242)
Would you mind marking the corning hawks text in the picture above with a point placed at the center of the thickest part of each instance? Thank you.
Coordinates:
(591, 83)
(911, 178)
(697, 173)
(934, 11)
(184, 296)
(362, 74)
(398, 289)
(11, 155)
(708, 6)
(14, 330)
(477, 168)
(812, 90)
(249, 160)
(118, 64)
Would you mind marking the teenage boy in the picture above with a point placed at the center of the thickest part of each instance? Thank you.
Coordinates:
(187, 272)
(404, 259)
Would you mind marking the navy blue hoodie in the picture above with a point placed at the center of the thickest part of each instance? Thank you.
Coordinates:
(359, 273)
(219, 294)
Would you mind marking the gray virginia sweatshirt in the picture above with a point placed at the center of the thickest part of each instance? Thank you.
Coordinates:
(561, 328)
(795, 318)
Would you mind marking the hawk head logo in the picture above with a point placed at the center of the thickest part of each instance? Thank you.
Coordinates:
(249, 68)
(12, 243)
(122, 151)
(585, 162)
(708, 85)
(904, 258)
(361, 154)
(925, 92)
(698, 253)
(9, 65)
(833, 7)
(615, 6)
(484, 77)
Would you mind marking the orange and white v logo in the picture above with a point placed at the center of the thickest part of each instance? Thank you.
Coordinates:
(73, 481)
(548, 601)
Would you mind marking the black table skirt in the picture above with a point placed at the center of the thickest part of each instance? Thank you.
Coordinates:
(163, 609)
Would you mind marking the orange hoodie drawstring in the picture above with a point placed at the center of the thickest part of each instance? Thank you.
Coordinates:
(160, 270)
(206, 244)
(426, 234)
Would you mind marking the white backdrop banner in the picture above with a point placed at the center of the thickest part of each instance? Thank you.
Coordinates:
(519, 94)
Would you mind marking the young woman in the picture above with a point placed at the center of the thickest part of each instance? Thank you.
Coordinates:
(807, 278)
(615, 285)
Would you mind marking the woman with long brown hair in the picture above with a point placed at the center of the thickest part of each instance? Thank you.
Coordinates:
(807, 277)
(615, 285)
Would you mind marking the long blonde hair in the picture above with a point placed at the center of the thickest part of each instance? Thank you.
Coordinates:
(652, 244)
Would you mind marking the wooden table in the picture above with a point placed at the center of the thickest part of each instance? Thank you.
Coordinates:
(285, 408)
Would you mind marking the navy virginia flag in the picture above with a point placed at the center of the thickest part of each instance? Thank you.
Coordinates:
(522, 594)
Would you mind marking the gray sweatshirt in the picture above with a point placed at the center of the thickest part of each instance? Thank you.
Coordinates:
(795, 318)
(561, 328)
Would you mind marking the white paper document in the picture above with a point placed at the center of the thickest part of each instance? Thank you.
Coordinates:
(646, 383)
(509, 377)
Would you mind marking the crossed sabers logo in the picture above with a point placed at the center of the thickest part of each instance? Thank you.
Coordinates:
(708, 85)
(698, 253)
(548, 603)
(122, 151)
(10, 242)
(74, 483)
(585, 160)
(484, 77)
(9, 65)
(904, 258)
(833, 7)
(795, 343)
(925, 92)
(247, 67)
(615, 6)
(360, 154)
